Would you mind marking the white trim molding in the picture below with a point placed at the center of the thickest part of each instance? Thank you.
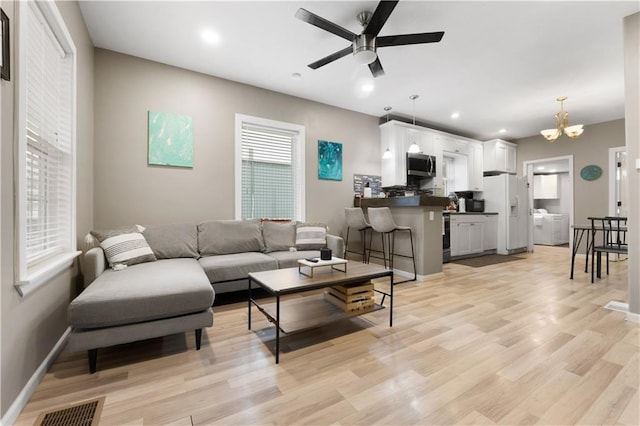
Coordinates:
(23, 397)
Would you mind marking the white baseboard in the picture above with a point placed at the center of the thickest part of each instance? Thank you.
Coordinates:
(631, 317)
(418, 277)
(23, 397)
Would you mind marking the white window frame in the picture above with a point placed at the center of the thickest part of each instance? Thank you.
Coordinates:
(30, 278)
(298, 163)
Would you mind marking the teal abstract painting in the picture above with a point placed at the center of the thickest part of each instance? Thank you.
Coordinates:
(170, 139)
(329, 160)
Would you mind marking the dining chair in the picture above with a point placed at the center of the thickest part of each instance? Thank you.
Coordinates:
(612, 240)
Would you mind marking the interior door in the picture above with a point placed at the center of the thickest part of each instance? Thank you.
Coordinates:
(529, 226)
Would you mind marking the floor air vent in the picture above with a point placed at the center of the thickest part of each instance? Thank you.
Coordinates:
(86, 413)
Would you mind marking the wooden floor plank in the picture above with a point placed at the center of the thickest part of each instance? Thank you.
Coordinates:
(513, 343)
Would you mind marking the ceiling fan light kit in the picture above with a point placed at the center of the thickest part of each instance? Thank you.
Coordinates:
(364, 45)
(364, 49)
(562, 125)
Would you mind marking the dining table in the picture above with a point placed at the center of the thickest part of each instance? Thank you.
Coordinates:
(579, 232)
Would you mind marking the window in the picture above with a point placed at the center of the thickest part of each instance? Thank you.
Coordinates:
(46, 146)
(269, 169)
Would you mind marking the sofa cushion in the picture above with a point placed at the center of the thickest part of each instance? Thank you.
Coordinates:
(173, 241)
(311, 236)
(229, 236)
(278, 235)
(236, 266)
(288, 259)
(124, 246)
(144, 292)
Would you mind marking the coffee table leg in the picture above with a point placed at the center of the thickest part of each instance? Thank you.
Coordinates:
(277, 329)
(391, 304)
(249, 304)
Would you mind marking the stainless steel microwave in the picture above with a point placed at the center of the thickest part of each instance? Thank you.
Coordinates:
(421, 165)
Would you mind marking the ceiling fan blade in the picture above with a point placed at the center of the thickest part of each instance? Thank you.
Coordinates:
(376, 68)
(313, 19)
(327, 59)
(404, 39)
(379, 17)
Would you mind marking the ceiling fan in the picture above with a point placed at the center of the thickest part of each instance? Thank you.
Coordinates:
(364, 45)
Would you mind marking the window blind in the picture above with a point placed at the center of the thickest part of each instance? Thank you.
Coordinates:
(267, 172)
(48, 142)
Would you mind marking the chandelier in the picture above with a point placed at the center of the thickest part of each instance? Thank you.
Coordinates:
(562, 124)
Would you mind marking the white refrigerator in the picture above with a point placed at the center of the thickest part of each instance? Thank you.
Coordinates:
(507, 195)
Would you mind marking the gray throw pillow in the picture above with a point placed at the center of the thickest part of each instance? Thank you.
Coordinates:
(124, 246)
(311, 236)
(278, 236)
(173, 240)
(229, 236)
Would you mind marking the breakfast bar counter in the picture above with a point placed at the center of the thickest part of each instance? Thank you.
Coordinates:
(424, 215)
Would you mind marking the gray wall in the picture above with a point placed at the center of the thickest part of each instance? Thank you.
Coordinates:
(32, 325)
(592, 147)
(128, 191)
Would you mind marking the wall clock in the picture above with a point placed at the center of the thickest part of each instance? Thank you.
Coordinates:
(591, 172)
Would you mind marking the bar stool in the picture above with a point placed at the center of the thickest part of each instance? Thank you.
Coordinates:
(382, 222)
(355, 220)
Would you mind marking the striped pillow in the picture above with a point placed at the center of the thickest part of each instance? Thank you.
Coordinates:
(125, 246)
(311, 236)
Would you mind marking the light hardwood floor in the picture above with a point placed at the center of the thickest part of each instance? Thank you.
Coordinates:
(513, 343)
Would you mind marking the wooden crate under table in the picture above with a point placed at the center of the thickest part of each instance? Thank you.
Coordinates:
(351, 298)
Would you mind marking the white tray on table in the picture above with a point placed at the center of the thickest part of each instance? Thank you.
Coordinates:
(333, 263)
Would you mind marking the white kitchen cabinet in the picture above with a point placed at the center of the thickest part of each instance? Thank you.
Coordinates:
(499, 156)
(545, 187)
(398, 137)
(466, 234)
(475, 166)
(473, 234)
(394, 168)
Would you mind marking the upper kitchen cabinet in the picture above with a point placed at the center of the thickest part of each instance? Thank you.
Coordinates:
(545, 187)
(394, 167)
(499, 156)
(476, 166)
(398, 138)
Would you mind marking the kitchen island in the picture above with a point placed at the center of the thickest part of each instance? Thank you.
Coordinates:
(424, 215)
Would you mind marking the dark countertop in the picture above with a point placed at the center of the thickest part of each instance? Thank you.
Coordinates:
(415, 201)
(470, 213)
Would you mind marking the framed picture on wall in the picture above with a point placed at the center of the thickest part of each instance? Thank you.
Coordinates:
(329, 160)
(4, 45)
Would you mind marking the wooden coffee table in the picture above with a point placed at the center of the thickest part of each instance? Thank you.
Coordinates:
(313, 311)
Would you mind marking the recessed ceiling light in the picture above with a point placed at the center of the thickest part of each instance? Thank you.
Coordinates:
(540, 167)
(296, 76)
(455, 115)
(210, 36)
(502, 131)
(367, 87)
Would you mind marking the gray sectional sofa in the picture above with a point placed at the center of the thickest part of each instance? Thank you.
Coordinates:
(170, 287)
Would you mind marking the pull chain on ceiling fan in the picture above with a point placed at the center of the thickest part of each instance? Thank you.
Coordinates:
(364, 45)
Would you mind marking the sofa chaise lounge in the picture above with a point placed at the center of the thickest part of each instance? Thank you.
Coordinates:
(142, 283)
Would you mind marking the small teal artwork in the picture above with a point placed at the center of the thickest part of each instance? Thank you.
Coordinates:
(329, 160)
(170, 139)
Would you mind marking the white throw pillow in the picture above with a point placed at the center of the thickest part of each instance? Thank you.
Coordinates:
(124, 246)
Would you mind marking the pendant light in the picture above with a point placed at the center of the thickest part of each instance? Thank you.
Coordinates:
(387, 153)
(414, 148)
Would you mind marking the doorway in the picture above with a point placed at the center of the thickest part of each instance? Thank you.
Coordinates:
(618, 182)
(550, 201)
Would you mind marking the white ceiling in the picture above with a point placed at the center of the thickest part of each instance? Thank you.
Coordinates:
(500, 64)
